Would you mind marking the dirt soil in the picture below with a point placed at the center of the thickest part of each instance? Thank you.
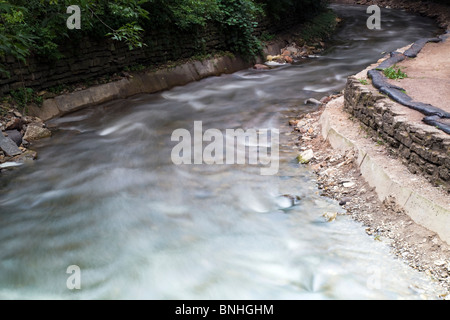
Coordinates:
(428, 74)
(339, 178)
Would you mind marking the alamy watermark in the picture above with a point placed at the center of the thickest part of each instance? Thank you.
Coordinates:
(231, 146)
(374, 21)
(74, 280)
(74, 21)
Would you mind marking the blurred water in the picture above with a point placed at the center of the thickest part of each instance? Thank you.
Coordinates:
(105, 196)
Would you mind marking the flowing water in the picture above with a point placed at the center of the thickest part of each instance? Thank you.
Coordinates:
(106, 197)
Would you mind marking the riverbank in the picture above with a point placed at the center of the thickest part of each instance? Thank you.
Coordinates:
(339, 177)
(358, 167)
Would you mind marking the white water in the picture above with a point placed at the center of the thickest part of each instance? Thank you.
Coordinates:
(105, 196)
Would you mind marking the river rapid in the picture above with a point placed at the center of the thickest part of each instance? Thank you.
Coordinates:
(105, 196)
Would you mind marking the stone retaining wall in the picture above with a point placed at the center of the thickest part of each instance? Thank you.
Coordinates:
(91, 58)
(422, 148)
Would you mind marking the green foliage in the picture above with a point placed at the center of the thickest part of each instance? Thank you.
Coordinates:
(15, 40)
(394, 73)
(24, 96)
(235, 19)
(363, 82)
(277, 9)
(266, 37)
(239, 20)
(130, 33)
(39, 26)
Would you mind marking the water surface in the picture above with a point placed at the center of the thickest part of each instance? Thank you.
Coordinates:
(105, 196)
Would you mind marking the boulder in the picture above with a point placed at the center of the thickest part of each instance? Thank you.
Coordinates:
(14, 124)
(36, 132)
(292, 50)
(288, 59)
(27, 156)
(15, 136)
(8, 146)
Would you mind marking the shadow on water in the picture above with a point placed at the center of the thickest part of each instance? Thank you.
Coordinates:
(105, 196)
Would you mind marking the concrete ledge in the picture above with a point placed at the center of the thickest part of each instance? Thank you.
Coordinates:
(148, 82)
(430, 214)
(423, 148)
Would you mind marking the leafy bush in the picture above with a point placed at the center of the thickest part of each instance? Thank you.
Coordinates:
(39, 26)
(24, 96)
(277, 9)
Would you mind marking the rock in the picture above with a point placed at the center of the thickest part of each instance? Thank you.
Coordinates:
(28, 155)
(261, 67)
(15, 136)
(14, 124)
(292, 50)
(330, 216)
(313, 101)
(25, 143)
(306, 156)
(439, 262)
(344, 201)
(286, 201)
(36, 132)
(17, 114)
(293, 123)
(348, 184)
(325, 100)
(288, 59)
(8, 146)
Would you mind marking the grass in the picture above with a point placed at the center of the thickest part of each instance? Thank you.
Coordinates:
(363, 82)
(394, 73)
(22, 97)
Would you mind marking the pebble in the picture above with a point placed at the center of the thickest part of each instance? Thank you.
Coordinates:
(348, 184)
(330, 216)
(344, 201)
(439, 262)
(306, 156)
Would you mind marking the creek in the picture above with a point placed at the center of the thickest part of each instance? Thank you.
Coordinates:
(105, 196)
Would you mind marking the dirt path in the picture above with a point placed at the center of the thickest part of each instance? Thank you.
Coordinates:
(428, 74)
